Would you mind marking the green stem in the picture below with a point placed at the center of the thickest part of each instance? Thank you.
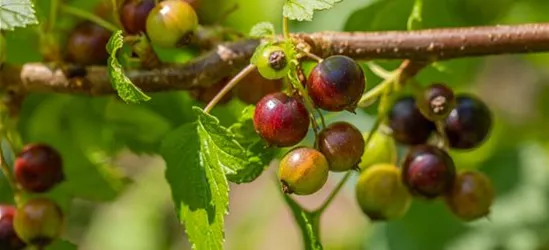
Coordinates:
(6, 170)
(243, 73)
(378, 90)
(378, 70)
(333, 194)
(54, 9)
(285, 28)
(89, 16)
(115, 14)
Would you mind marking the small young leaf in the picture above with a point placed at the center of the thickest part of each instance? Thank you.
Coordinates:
(415, 19)
(308, 223)
(263, 29)
(123, 85)
(303, 10)
(16, 13)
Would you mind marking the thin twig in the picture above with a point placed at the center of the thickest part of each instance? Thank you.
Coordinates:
(88, 16)
(243, 73)
(333, 194)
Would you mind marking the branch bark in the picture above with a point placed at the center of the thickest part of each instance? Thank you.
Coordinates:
(225, 60)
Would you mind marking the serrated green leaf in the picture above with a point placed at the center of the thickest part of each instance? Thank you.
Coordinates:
(16, 13)
(308, 223)
(415, 18)
(303, 10)
(123, 85)
(263, 29)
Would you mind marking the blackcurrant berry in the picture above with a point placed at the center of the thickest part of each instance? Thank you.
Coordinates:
(281, 120)
(409, 126)
(134, 13)
(380, 149)
(171, 23)
(87, 43)
(336, 83)
(342, 144)
(471, 195)
(9, 240)
(428, 171)
(303, 171)
(273, 63)
(469, 123)
(206, 94)
(39, 221)
(436, 101)
(380, 193)
(38, 168)
(254, 87)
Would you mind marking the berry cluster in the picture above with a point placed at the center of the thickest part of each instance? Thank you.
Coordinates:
(38, 221)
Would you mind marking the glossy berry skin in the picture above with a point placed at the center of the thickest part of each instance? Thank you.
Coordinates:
(380, 193)
(8, 237)
(38, 168)
(39, 221)
(342, 144)
(336, 83)
(428, 171)
(281, 120)
(171, 24)
(469, 123)
(471, 196)
(303, 171)
(134, 13)
(409, 126)
(272, 63)
(436, 101)
(380, 149)
(87, 43)
(254, 87)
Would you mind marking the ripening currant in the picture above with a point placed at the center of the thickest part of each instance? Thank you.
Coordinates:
(381, 194)
(303, 171)
(471, 196)
(281, 120)
(380, 149)
(436, 101)
(134, 13)
(409, 126)
(254, 87)
(273, 62)
(9, 240)
(86, 45)
(469, 123)
(342, 145)
(39, 221)
(171, 24)
(38, 168)
(336, 83)
(428, 171)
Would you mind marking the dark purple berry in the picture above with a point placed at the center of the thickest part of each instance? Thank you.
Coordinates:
(342, 144)
(469, 123)
(87, 44)
(471, 196)
(281, 120)
(38, 168)
(409, 126)
(134, 13)
(436, 101)
(428, 171)
(254, 87)
(336, 83)
(9, 240)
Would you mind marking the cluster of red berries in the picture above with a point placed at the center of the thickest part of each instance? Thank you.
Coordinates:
(38, 221)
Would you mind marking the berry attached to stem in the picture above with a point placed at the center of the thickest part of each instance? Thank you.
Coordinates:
(436, 101)
(380, 193)
(171, 24)
(409, 126)
(38, 168)
(471, 196)
(303, 171)
(39, 221)
(87, 43)
(273, 63)
(342, 144)
(9, 240)
(428, 171)
(469, 123)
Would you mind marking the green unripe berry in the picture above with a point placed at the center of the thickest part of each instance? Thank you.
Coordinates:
(380, 149)
(303, 171)
(273, 63)
(171, 24)
(39, 221)
(380, 193)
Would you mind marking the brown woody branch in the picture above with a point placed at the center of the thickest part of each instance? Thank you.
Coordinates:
(227, 59)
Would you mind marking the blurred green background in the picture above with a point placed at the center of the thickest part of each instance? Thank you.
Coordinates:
(141, 217)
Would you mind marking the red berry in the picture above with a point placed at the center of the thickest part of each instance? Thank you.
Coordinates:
(471, 196)
(38, 168)
(281, 120)
(469, 124)
(8, 237)
(133, 15)
(254, 87)
(303, 171)
(436, 101)
(39, 221)
(409, 126)
(87, 44)
(336, 83)
(428, 171)
(342, 144)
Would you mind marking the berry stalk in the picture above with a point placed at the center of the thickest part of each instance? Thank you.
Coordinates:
(233, 82)
(89, 16)
(333, 194)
